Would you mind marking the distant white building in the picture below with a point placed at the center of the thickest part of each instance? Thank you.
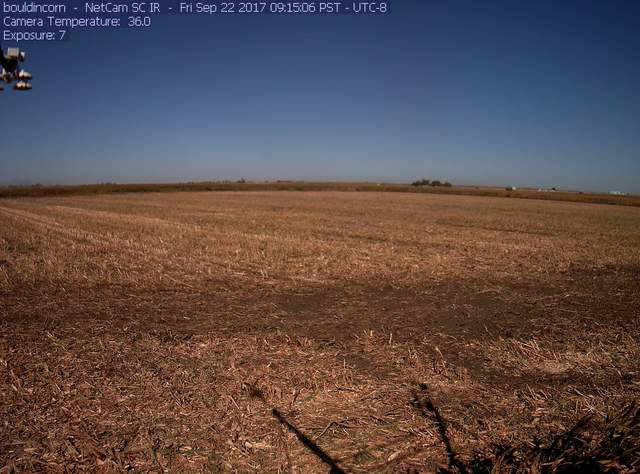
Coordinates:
(617, 193)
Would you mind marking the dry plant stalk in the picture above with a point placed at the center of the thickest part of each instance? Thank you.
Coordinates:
(130, 323)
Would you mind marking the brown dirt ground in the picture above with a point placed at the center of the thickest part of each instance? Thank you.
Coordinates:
(134, 330)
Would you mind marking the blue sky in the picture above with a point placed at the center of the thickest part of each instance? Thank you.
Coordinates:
(539, 93)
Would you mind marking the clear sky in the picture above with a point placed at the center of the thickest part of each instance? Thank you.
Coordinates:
(527, 92)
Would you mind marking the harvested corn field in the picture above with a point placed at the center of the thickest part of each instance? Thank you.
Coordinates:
(292, 332)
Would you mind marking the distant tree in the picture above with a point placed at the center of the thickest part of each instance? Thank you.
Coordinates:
(435, 183)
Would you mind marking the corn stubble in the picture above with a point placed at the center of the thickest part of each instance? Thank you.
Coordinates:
(318, 332)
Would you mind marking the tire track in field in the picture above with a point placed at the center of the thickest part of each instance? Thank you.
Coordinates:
(37, 221)
(151, 254)
(202, 232)
(227, 238)
(136, 220)
(132, 219)
(71, 235)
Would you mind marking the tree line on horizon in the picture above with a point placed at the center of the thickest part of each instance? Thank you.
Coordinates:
(435, 183)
